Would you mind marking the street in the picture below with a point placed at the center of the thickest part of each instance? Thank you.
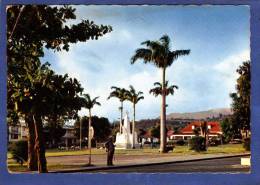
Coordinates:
(216, 165)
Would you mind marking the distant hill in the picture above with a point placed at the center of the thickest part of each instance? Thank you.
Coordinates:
(213, 113)
(180, 120)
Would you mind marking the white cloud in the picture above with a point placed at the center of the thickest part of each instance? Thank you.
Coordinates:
(200, 86)
(227, 69)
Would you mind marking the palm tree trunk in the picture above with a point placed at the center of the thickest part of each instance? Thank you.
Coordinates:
(89, 137)
(121, 119)
(163, 115)
(133, 129)
(39, 144)
(32, 160)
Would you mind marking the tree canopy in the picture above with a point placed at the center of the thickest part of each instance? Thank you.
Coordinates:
(101, 125)
(241, 99)
(33, 88)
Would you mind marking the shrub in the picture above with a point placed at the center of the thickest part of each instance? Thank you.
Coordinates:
(214, 141)
(19, 151)
(180, 142)
(197, 143)
(246, 144)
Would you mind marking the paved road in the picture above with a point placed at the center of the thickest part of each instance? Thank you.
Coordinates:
(217, 165)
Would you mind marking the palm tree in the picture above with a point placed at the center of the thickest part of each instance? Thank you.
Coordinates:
(159, 53)
(134, 97)
(89, 104)
(121, 94)
(158, 90)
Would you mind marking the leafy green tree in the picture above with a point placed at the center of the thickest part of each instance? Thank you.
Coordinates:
(241, 100)
(230, 129)
(159, 54)
(155, 131)
(101, 126)
(53, 134)
(30, 29)
(121, 94)
(134, 97)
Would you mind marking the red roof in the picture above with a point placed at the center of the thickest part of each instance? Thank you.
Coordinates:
(215, 127)
(170, 132)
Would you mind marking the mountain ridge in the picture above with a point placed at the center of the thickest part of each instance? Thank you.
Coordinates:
(200, 114)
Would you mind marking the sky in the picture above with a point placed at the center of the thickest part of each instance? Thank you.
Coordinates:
(218, 37)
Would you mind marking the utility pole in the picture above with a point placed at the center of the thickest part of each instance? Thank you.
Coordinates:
(80, 134)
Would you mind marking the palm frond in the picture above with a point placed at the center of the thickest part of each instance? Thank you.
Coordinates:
(165, 40)
(140, 93)
(172, 56)
(158, 84)
(142, 53)
(139, 98)
(156, 91)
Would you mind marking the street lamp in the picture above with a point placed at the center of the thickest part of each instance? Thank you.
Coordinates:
(80, 133)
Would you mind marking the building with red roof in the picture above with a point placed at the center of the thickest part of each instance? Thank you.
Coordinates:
(214, 130)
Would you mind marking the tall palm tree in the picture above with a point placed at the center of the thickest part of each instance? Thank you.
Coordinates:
(121, 94)
(134, 97)
(89, 104)
(159, 53)
(158, 90)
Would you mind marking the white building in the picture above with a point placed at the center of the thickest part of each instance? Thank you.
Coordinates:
(18, 131)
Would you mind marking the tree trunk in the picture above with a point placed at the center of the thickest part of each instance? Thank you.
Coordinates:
(32, 160)
(89, 138)
(39, 144)
(163, 115)
(121, 119)
(133, 129)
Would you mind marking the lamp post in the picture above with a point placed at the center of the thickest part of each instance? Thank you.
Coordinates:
(80, 133)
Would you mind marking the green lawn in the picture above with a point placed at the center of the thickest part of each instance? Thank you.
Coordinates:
(179, 150)
(14, 167)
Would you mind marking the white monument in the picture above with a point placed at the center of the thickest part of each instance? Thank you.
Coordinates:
(124, 138)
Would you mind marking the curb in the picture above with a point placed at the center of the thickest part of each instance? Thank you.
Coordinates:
(145, 164)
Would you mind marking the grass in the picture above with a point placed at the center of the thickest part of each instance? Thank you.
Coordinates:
(17, 168)
(178, 150)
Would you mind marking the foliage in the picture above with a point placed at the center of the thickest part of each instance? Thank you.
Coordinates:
(241, 100)
(134, 96)
(101, 125)
(155, 131)
(158, 90)
(196, 131)
(214, 141)
(89, 103)
(197, 143)
(246, 144)
(19, 151)
(117, 92)
(158, 52)
(31, 89)
(180, 142)
(230, 129)
(53, 134)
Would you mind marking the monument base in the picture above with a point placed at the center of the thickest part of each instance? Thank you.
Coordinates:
(125, 141)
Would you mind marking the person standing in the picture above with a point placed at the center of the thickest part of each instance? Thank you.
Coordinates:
(110, 149)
